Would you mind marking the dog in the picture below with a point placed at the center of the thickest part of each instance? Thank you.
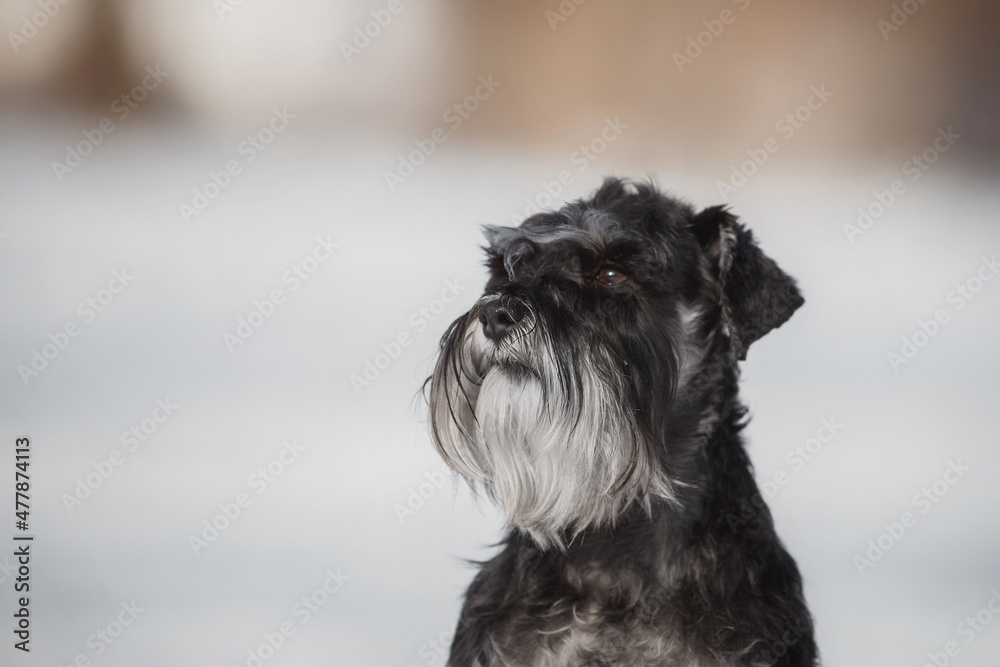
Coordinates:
(592, 392)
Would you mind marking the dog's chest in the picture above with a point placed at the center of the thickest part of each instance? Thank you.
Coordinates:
(584, 643)
(578, 636)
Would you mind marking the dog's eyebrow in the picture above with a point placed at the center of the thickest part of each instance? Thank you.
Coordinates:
(503, 239)
(498, 237)
(592, 229)
(506, 244)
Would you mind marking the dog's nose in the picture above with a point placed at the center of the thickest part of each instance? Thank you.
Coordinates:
(499, 316)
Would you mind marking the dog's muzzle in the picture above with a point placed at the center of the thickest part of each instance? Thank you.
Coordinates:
(498, 316)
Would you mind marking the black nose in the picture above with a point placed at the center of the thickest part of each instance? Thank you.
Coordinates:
(499, 316)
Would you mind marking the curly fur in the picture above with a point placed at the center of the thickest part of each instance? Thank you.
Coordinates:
(605, 420)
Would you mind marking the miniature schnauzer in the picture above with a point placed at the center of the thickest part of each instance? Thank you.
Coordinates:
(592, 392)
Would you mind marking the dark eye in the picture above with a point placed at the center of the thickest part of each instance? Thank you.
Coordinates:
(610, 276)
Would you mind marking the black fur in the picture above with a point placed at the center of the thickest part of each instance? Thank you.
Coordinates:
(682, 565)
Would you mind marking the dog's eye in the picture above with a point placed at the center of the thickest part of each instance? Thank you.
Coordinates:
(610, 276)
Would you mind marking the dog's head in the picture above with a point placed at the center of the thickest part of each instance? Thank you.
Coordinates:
(561, 389)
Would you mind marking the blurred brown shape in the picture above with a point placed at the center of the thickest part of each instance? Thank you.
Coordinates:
(620, 58)
(699, 82)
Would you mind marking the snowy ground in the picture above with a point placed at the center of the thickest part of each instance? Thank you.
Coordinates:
(363, 452)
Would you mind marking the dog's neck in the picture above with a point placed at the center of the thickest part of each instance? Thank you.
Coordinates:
(702, 424)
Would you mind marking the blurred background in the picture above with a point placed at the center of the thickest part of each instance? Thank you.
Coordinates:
(233, 232)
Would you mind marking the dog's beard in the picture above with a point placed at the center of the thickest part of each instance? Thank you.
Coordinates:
(546, 433)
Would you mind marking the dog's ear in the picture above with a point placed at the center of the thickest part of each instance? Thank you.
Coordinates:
(756, 295)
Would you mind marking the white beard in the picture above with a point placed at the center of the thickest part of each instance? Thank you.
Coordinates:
(557, 459)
